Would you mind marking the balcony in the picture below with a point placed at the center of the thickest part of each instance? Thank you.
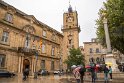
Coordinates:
(26, 50)
(63, 28)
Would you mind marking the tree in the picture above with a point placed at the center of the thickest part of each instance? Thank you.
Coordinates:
(114, 10)
(75, 58)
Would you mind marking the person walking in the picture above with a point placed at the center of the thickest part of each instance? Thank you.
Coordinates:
(24, 74)
(110, 72)
(77, 76)
(27, 72)
(82, 71)
(93, 75)
(96, 71)
(76, 73)
(106, 71)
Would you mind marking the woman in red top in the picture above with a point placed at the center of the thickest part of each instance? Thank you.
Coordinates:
(96, 70)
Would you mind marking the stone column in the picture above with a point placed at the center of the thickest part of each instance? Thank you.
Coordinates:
(107, 36)
(32, 66)
(19, 66)
(22, 59)
(109, 58)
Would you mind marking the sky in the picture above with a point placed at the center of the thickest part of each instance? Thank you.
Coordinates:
(51, 12)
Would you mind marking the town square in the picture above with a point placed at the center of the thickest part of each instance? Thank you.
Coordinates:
(62, 41)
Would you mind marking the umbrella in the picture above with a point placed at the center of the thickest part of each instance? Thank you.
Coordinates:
(73, 66)
(88, 66)
(77, 69)
(97, 65)
(109, 64)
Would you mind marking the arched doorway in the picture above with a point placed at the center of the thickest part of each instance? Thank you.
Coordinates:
(26, 64)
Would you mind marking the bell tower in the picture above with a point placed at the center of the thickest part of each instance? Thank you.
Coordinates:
(70, 31)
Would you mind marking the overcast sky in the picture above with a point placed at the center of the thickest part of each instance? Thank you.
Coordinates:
(51, 12)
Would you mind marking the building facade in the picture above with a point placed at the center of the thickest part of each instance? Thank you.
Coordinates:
(26, 42)
(94, 52)
(70, 31)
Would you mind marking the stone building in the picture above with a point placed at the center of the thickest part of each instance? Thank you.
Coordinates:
(27, 42)
(94, 52)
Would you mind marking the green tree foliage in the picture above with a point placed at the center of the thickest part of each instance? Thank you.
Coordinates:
(114, 12)
(75, 57)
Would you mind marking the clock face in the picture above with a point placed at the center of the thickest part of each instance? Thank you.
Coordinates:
(70, 19)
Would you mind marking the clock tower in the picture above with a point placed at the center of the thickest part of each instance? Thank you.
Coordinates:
(70, 31)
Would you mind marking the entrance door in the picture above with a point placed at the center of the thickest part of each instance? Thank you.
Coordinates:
(26, 64)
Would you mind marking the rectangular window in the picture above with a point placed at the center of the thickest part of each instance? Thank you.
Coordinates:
(53, 51)
(97, 50)
(70, 42)
(27, 41)
(91, 50)
(2, 60)
(34, 44)
(53, 37)
(52, 65)
(43, 48)
(42, 64)
(9, 17)
(44, 33)
(5, 36)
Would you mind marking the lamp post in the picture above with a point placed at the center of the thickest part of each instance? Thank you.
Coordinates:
(60, 61)
(35, 73)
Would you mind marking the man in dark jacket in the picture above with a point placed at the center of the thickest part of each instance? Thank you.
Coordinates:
(106, 71)
(93, 75)
(82, 71)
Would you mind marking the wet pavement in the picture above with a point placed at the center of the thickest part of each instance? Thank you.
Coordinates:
(118, 78)
(41, 79)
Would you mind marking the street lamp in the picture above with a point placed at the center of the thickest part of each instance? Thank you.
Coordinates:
(35, 73)
(60, 61)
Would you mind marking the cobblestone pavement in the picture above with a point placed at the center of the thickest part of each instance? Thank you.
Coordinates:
(117, 78)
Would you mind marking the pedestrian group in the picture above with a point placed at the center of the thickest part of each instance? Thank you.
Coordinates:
(79, 72)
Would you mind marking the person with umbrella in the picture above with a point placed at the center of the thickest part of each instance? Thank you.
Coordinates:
(76, 73)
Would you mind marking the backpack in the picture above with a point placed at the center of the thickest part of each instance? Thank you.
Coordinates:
(92, 69)
(106, 70)
(82, 70)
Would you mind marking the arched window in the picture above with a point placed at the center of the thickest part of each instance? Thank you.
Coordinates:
(97, 60)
